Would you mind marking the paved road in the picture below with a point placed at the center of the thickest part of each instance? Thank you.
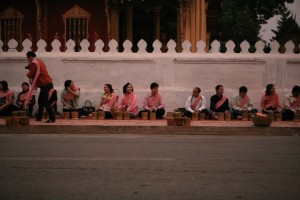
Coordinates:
(149, 167)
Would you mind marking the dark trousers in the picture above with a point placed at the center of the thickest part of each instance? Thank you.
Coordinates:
(44, 102)
(6, 111)
(159, 113)
(288, 114)
(189, 113)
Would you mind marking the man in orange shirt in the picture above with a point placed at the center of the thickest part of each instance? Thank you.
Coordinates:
(39, 77)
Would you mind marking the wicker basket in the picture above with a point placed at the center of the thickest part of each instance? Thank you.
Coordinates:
(201, 116)
(179, 121)
(126, 115)
(144, 115)
(119, 115)
(195, 116)
(262, 121)
(94, 115)
(8, 121)
(66, 115)
(101, 115)
(187, 121)
(170, 121)
(152, 116)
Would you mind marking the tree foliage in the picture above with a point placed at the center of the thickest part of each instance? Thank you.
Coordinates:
(242, 19)
(287, 29)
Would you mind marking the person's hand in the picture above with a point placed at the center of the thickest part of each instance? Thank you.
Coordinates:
(196, 111)
(244, 110)
(264, 110)
(154, 109)
(69, 89)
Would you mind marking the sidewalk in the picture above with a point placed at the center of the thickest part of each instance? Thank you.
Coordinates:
(207, 127)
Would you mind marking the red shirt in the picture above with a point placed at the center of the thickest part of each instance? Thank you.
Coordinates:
(44, 77)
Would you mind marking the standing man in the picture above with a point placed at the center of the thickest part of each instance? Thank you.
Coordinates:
(39, 77)
(218, 102)
(195, 103)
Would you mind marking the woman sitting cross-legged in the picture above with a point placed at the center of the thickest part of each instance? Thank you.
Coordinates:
(108, 102)
(129, 102)
(70, 98)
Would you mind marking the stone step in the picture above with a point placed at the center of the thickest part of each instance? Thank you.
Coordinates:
(207, 127)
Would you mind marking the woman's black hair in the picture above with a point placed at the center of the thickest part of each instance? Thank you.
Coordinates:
(68, 83)
(109, 86)
(197, 88)
(269, 88)
(4, 85)
(125, 88)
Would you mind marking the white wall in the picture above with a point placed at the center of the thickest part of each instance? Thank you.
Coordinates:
(176, 73)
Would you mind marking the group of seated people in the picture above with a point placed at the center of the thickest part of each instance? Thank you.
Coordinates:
(153, 101)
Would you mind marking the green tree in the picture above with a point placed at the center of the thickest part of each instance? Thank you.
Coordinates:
(242, 19)
(287, 29)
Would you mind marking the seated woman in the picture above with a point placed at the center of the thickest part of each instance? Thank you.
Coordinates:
(70, 97)
(22, 97)
(108, 102)
(6, 99)
(270, 100)
(129, 102)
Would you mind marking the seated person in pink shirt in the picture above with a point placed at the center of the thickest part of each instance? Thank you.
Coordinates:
(270, 101)
(153, 102)
(108, 102)
(129, 102)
